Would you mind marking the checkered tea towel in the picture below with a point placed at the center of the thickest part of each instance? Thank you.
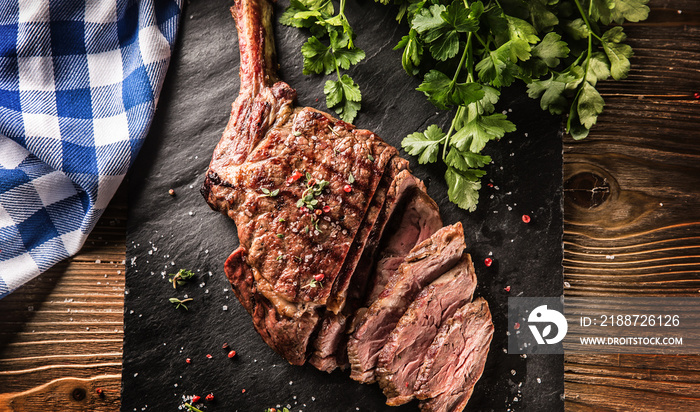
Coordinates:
(79, 83)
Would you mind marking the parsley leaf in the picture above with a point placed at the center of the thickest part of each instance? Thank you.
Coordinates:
(425, 145)
(317, 57)
(496, 70)
(460, 18)
(551, 92)
(630, 10)
(590, 105)
(437, 87)
(412, 52)
(551, 50)
(467, 93)
(464, 187)
(617, 52)
(428, 19)
(541, 16)
(520, 29)
(343, 96)
(466, 160)
(477, 132)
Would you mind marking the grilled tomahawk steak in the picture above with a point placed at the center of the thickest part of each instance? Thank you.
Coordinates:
(312, 197)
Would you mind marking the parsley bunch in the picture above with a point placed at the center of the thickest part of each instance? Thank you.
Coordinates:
(335, 52)
(467, 50)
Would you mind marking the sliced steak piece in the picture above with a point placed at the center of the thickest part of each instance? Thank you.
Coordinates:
(266, 174)
(418, 220)
(402, 356)
(455, 360)
(336, 300)
(330, 342)
(426, 262)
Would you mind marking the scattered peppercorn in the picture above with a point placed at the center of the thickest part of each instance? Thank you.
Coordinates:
(225, 345)
(326, 209)
(188, 360)
(294, 177)
(209, 356)
(318, 211)
(319, 277)
(507, 288)
(347, 188)
(242, 390)
(526, 218)
(517, 325)
(232, 354)
(196, 398)
(171, 192)
(99, 392)
(209, 397)
(488, 262)
(490, 185)
(696, 95)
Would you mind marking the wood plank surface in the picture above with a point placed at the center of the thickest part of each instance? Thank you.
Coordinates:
(632, 210)
(61, 334)
(632, 227)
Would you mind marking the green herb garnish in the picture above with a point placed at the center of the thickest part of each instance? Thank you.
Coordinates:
(268, 193)
(179, 302)
(315, 222)
(313, 189)
(181, 277)
(313, 283)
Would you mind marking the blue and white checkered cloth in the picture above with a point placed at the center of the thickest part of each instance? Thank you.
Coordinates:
(79, 83)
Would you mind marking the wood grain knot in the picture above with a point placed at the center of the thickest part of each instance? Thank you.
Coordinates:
(78, 394)
(587, 189)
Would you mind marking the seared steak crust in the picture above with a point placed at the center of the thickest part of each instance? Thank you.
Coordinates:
(281, 333)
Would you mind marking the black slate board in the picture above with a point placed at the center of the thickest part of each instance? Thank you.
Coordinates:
(166, 233)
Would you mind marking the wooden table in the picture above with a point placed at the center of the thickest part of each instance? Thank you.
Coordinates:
(631, 192)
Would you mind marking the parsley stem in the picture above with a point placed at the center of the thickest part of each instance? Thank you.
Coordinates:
(458, 114)
(467, 50)
(486, 46)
